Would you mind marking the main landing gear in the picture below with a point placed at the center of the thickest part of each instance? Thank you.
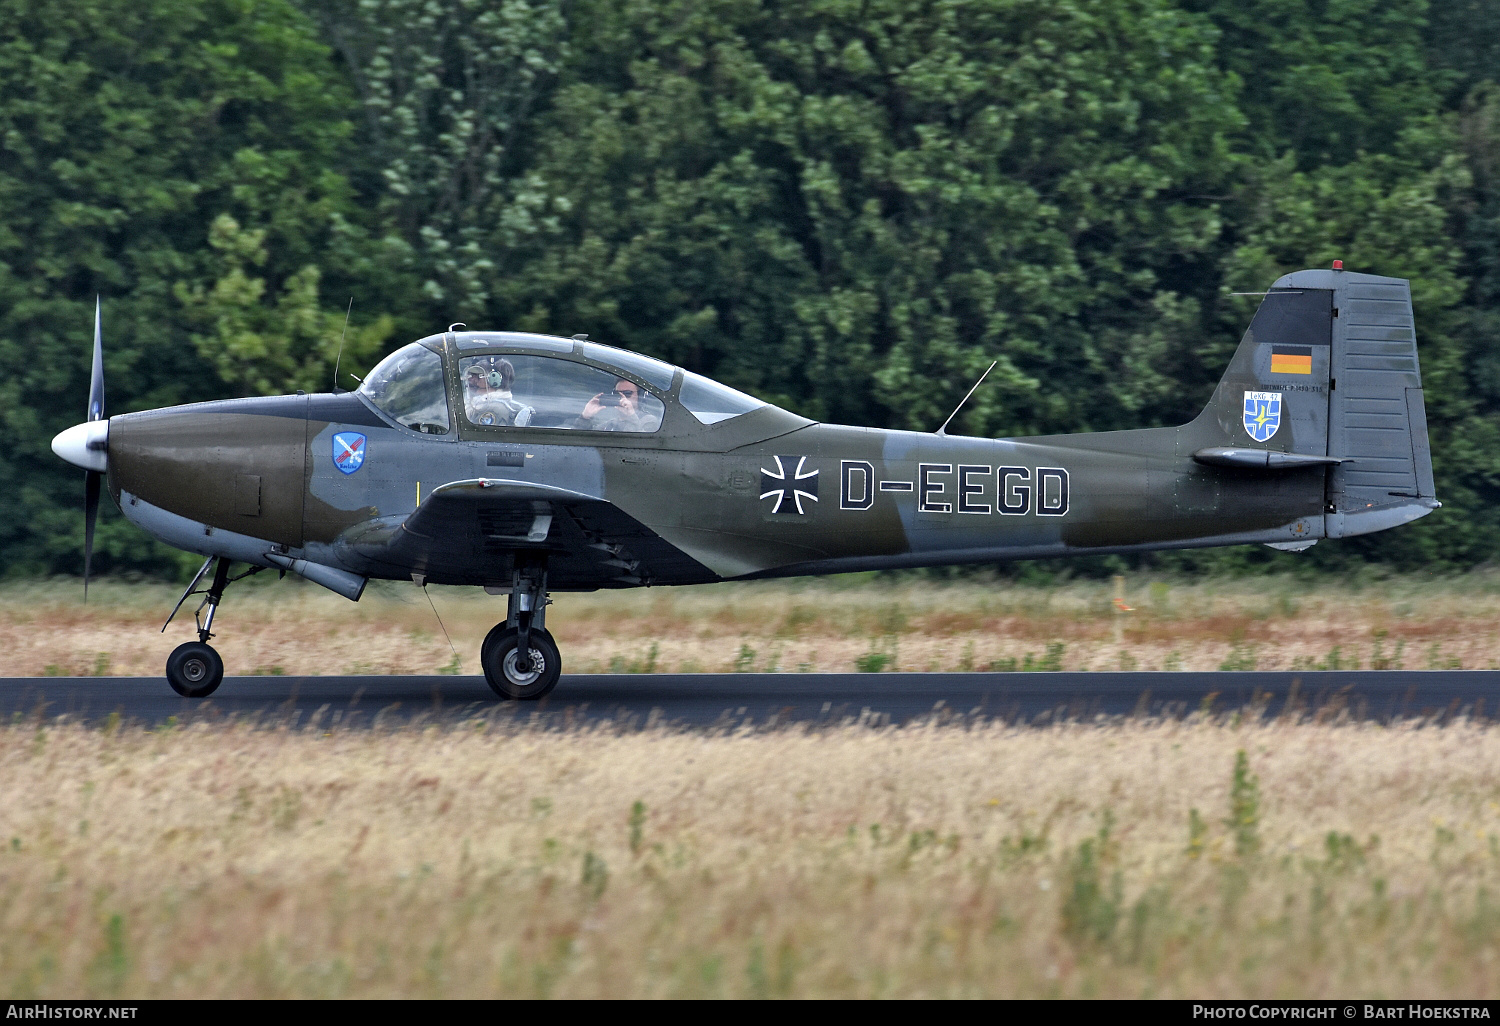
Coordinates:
(194, 669)
(519, 657)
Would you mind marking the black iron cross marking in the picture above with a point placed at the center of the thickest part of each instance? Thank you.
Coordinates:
(789, 490)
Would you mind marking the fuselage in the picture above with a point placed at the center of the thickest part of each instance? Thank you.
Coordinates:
(765, 494)
(466, 456)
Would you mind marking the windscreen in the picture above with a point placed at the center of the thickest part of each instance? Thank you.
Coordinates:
(407, 386)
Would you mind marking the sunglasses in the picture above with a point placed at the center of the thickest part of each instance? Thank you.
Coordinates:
(628, 393)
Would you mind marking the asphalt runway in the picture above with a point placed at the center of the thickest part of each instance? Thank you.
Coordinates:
(762, 699)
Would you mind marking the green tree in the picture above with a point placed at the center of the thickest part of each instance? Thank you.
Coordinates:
(266, 348)
(126, 128)
(448, 90)
(1463, 38)
(1330, 79)
(853, 208)
(848, 208)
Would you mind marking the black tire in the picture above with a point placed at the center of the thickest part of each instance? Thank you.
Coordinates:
(194, 670)
(498, 657)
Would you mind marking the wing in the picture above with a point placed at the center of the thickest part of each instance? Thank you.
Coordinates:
(472, 532)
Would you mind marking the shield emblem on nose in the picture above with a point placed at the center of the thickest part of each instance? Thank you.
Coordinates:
(348, 451)
(1262, 414)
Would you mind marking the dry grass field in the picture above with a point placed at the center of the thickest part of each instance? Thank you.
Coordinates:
(491, 859)
(841, 624)
(1225, 857)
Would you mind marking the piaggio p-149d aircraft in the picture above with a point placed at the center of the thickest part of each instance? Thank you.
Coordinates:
(526, 464)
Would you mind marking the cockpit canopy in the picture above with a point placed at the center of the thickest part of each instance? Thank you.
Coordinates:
(519, 380)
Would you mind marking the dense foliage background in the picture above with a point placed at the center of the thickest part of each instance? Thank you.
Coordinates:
(849, 207)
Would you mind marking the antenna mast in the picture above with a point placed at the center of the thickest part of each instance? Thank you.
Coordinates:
(339, 358)
(944, 429)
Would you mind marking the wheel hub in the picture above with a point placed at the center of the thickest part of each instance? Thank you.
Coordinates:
(195, 670)
(513, 671)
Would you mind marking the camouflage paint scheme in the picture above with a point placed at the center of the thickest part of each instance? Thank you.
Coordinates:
(769, 493)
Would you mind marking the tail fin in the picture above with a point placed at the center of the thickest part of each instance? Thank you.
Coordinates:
(1327, 373)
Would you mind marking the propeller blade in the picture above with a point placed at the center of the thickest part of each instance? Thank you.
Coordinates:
(96, 380)
(92, 479)
(90, 517)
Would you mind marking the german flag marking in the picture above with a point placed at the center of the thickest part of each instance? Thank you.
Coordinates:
(1291, 359)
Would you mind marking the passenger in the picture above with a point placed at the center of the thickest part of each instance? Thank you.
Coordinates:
(618, 410)
(487, 396)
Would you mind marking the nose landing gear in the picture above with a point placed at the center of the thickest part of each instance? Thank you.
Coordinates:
(194, 669)
(519, 657)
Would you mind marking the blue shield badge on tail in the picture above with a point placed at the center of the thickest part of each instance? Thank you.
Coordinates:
(1262, 414)
(348, 451)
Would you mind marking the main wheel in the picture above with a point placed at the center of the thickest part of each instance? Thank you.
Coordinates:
(194, 670)
(503, 669)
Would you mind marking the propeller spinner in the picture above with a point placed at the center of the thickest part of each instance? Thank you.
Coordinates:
(86, 445)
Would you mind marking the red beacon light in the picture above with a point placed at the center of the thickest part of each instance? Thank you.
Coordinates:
(1338, 265)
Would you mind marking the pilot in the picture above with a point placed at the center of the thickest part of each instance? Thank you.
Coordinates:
(487, 396)
(617, 410)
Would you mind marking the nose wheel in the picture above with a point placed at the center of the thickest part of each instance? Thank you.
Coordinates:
(519, 657)
(194, 670)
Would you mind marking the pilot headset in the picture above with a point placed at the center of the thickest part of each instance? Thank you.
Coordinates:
(502, 373)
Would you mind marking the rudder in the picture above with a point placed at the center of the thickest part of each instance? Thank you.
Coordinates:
(1377, 420)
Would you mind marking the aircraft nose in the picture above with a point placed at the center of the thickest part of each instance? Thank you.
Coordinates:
(84, 445)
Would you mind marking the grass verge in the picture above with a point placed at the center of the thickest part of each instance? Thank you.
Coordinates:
(859, 622)
(1202, 858)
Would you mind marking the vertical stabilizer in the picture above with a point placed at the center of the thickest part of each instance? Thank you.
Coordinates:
(1377, 423)
(1327, 373)
(1274, 395)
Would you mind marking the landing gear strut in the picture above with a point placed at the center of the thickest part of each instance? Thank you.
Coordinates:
(194, 669)
(519, 657)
